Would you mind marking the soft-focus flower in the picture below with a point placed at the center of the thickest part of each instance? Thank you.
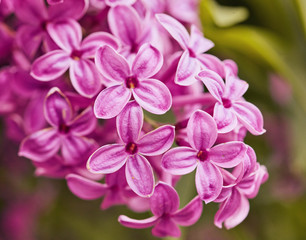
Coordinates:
(164, 206)
(136, 81)
(66, 132)
(138, 171)
(202, 134)
(115, 190)
(35, 17)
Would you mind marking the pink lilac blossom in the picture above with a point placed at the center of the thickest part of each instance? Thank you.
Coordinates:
(136, 81)
(139, 173)
(202, 134)
(164, 206)
(126, 68)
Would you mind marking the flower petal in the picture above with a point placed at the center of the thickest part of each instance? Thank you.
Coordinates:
(147, 62)
(165, 200)
(201, 130)
(107, 159)
(139, 175)
(85, 78)
(190, 214)
(113, 3)
(225, 118)
(250, 116)
(124, 23)
(85, 123)
(94, 41)
(68, 9)
(30, 11)
(53, 2)
(228, 155)
(29, 39)
(133, 223)
(51, 65)
(234, 87)
(57, 108)
(208, 181)
(40, 145)
(188, 67)
(175, 28)
(129, 122)
(213, 82)
(153, 96)
(111, 101)
(67, 34)
(76, 149)
(112, 65)
(228, 208)
(84, 188)
(198, 43)
(166, 227)
(239, 215)
(180, 160)
(156, 142)
(213, 63)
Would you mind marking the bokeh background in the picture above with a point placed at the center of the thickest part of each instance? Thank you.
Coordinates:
(267, 38)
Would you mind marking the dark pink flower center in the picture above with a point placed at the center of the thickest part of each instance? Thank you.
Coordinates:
(192, 53)
(76, 55)
(43, 25)
(226, 102)
(131, 82)
(63, 128)
(202, 155)
(131, 148)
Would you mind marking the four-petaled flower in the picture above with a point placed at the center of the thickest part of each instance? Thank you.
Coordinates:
(74, 54)
(164, 205)
(110, 158)
(202, 134)
(230, 106)
(66, 132)
(192, 59)
(151, 94)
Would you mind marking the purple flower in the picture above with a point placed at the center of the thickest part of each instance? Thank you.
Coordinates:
(192, 59)
(230, 106)
(66, 132)
(75, 55)
(35, 18)
(151, 94)
(164, 206)
(138, 171)
(202, 134)
(240, 185)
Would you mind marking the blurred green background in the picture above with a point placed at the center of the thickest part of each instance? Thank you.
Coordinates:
(267, 40)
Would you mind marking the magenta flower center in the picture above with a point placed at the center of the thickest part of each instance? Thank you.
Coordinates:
(131, 148)
(226, 102)
(76, 55)
(43, 25)
(63, 128)
(202, 155)
(131, 82)
(191, 53)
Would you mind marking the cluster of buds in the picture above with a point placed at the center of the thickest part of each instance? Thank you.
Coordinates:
(67, 63)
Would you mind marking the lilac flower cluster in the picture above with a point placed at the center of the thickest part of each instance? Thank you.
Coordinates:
(126, 61)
